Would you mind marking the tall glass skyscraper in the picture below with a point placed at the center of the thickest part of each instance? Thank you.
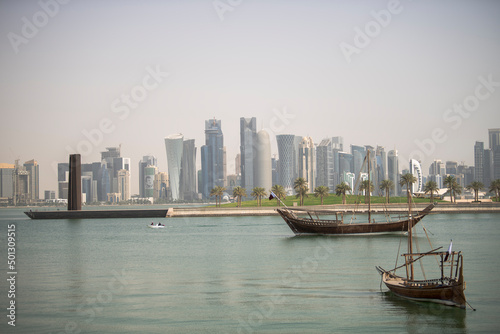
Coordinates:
(248, 137)
(212, 157)
(287, 165)
(393, 171)
(173, 146)
(188, 171)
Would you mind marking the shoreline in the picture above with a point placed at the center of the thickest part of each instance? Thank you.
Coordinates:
(332, 209)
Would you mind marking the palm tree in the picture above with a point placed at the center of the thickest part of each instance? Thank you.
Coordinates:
(431, 187)
(367, 187)
(213, 192)
(495, 188)
(239, 192)
(457, 190)
(387, 186)
(406, 181)
(258, 193)
(448, 183)
(341, 189)
(475, 186)
(321, 191)
(300, 186)
(279, 191)
(217, 191)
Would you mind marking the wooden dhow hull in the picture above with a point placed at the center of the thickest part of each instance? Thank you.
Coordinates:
(447, 292)
(301, 225)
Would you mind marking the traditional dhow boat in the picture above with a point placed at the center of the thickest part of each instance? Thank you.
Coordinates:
(448, 289)
(302, 225)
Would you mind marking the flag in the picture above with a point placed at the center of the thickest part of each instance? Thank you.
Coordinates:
(449, 251)
(272, 195)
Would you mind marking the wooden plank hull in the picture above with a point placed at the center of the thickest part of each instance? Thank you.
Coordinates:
(311, 226)
(449, 293)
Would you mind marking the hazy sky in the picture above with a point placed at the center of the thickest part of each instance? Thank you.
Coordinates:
(419, 76)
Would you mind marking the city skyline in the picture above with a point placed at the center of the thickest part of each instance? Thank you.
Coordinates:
(312, 69)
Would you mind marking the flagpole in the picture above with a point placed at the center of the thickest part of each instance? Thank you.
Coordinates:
(279, 199)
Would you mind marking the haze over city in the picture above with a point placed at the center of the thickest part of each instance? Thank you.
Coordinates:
(419, 76)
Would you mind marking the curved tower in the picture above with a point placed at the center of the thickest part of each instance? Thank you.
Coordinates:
(287, 161)
(173, 146)
(263, 170)
(416, 170)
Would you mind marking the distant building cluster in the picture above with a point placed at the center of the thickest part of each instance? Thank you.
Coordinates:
(326, 163)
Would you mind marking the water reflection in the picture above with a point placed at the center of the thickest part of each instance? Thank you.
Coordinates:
(426, 317)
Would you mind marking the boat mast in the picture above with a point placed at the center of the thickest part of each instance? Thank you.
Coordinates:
(410, 228)
(369, 200)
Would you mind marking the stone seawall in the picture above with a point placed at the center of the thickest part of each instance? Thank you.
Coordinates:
(332, 209)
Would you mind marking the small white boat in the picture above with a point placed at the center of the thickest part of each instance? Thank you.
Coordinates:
(156, 226)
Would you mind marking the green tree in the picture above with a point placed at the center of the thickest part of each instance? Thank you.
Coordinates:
(280, 193)
(406, 181)
(495, 188)
(387, 186)
(301, 188)
(239, 192)
(217, 191)
(342, 189)
(258, 193)
(449, 183)
(431, 187)
(321, 192)
(366, 187)
(475, 186)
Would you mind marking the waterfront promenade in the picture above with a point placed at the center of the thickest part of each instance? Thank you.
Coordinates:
(332, 209)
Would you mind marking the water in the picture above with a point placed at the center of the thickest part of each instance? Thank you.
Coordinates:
(232, 275)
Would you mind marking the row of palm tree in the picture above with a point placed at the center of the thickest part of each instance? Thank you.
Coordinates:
(301, 188)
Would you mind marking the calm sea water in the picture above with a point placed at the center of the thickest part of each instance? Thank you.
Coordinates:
(232, 275)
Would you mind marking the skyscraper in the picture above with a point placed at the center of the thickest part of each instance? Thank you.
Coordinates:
(324, 164)
(173, 146)
(416, 170)
(212, 157)
(393, 170)
(248, 138)
(287, 161)
(478, 161)
(262, 165)
(307, 162)
(123, 177)
(494, 142)
(188, 171)
(358, 155)
(34, 181)
(147, 160)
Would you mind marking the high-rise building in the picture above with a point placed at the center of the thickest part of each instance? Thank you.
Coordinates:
(338, 143)
(34, 181)
(358, 155)
(451, 168)
(494, 142)
(346, 165)
(393, 171)
(487, 168)
(149, 181)
(7, 180)
(188, 171)
(416, 170)
(124, 184)
(263, 165)
(437, 167)
(248, 138)
(479, 161)
(287, 151)
(307, 162)
(325, 164)
(212, 157)
(174, 147)
(147, 160)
